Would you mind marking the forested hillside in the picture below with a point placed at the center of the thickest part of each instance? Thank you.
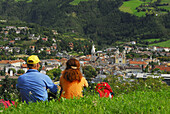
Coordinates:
(100, 20)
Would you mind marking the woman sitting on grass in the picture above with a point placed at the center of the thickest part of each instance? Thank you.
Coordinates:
(72, 81)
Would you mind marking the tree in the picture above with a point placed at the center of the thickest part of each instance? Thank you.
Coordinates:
(20, 71)
(54, 73)
(57, 73)
(89, 72)
(29, 51)
(14, 71)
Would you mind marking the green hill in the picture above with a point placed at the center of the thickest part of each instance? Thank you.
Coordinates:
(99, 20)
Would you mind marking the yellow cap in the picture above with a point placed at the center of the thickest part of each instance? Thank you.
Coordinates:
(33, 59)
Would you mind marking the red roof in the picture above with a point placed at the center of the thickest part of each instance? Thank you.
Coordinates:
(86, 59)
(24, 66)
(63, 59)
(88, 55)
(11, 61)
(12, 41)
(163, 67)
(138, 62)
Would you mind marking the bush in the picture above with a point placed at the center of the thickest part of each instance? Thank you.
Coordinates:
(124, 86)
(8, 90)
(14, 71)
(20, 71)
(54, 73)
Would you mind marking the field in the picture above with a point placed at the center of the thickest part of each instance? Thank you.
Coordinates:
(130, 7)
(3, 43)
(25, 43)
(152, 40)
(22, 55)
(76, 2)
(165, 7)
(136, 102)
(79, 39)
(23, 0)
(162, 44)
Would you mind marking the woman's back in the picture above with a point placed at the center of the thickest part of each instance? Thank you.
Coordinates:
(72, 89)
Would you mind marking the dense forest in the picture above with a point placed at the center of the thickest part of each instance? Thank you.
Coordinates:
(100, 20)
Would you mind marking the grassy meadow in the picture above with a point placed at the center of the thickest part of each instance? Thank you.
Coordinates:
(152, 40)
(25, 43)
(23, 0)
(76, 2)
(130, 7)
(162, 44)
(136, 102)
(137, 96)
(165, 7)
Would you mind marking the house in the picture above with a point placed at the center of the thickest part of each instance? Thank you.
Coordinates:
(139, 63)
(127, 48)
(45, 39)
(4, 21)
(110, 49)
(11, 27)
(71, 45)
(48, 52)
(43, 70)
(63, 60)
(163, 68)
(18, 31)
(167, 49)
(54, 47)
(24, 67)
(10, 50)
(32, 48)
(17, 38)
(5, 39)
(16, 63)
(133, 42)
(50, 67)
(159, 49)
(21, 28)
(51, 62)
(133, 69)
(55, 32)
(11, 42)
(54, 40)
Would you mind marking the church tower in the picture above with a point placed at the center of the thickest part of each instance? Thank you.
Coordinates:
(93, 53)
(117, 56)
(124, 57)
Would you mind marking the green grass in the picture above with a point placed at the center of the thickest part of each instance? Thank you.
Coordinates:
(25, 43)
(3, 43)
(162, 44)
(76, 2)
(136, 102)
(130, 7)
(152, 40)
(82, 39)
(165, 7)
(23, 0)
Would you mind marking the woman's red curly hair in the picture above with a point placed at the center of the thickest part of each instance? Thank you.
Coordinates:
(72, 71)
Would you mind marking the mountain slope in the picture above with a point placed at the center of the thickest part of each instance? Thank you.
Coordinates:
(100, 20)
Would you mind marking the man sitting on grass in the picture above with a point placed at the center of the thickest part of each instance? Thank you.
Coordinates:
(33, 85)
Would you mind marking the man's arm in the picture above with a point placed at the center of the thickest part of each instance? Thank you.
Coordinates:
(50, 85)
